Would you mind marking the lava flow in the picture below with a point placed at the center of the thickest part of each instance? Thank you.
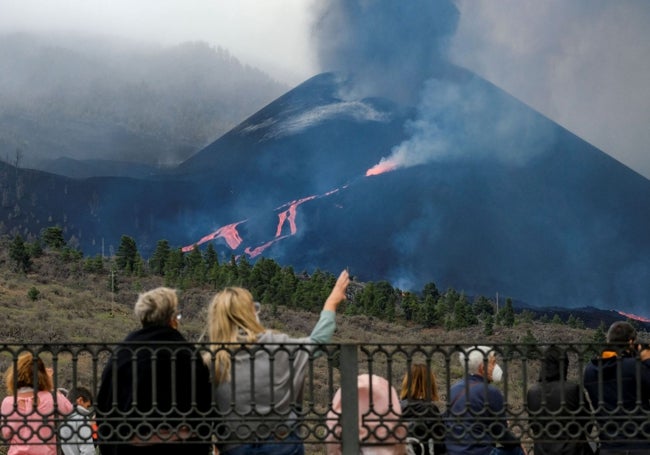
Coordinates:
(228, 233)
(286, 215)
(290, 214)
(633, 316)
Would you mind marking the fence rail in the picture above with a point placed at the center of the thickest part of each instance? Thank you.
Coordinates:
(151, 386)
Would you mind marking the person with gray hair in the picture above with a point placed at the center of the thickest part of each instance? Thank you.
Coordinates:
(155, 392)
(476, 412)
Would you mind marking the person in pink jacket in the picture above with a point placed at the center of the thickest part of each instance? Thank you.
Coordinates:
(30, 412)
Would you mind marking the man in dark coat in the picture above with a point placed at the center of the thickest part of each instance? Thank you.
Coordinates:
(155, 394)
(618, 384)
(558, 410)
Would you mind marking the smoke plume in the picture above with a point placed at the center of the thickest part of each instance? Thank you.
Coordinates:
(389, 48)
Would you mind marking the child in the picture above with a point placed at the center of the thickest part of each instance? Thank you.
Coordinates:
(76, 433)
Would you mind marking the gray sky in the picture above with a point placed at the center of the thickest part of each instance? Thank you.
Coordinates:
(583, 63)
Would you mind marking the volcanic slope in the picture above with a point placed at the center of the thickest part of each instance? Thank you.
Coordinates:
(482, 194)
(471, 189)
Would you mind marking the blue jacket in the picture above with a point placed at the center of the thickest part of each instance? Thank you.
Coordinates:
(476, 418)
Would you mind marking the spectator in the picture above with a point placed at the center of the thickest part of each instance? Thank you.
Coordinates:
(380, 431)
(476, 416)
(419, 393)
(558, 411)
(30, 411)
(155, 391)
(260, 389)
(618, 384)
(76, 433)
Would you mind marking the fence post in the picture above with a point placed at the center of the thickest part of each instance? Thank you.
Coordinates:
(349, 400)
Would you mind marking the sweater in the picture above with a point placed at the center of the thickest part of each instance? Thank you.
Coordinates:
(265, 392)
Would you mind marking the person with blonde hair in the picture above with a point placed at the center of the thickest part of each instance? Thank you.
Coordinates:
(260, 388)
(418, 396)
(30, 410)
(155, 391)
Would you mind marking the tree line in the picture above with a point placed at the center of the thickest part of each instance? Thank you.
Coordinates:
(273, 284)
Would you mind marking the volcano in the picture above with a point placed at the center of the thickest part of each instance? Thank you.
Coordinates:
(469, 189)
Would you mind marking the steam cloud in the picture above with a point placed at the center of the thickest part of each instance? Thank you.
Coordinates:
(400, 51)
(390, 48)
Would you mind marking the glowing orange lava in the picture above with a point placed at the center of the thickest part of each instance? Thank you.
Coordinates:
(633, 316)
(290, 214)
(380, 168)
(254, 252)
(228, 233)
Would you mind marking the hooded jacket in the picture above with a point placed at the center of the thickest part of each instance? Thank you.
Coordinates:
(558, 410)
(620, 427)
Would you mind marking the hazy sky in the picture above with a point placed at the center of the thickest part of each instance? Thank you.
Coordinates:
(583, 63)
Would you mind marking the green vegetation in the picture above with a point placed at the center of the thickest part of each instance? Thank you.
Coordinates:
(271, 284)
(61, 285)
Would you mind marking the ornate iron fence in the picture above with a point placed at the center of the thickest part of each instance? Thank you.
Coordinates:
(331, 398)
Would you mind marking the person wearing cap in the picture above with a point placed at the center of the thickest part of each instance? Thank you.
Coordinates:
(618, 385)
(159, 384)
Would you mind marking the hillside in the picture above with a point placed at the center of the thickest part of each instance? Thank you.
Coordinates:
(96, 97)
(77, 306)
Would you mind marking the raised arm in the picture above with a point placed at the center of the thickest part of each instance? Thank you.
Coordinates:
(338, 292)
(326, 325)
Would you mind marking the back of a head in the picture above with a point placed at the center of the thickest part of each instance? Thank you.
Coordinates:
(156, 307)
(555, 364)
(81, 392)
(419, 384)
(473, 357)
(620, 333)
(23, 374)
(231, 311)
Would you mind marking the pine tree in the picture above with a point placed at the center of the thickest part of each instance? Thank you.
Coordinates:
(210, 257)
(174, 267)
(600, 335)
(507, 314)
(19, 254)
(53, 237)
(159, 258)
(127, 254)
(196, 270)
(488, 325)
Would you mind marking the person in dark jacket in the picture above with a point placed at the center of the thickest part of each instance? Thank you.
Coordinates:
(557, 408)
(155, 392)
(418, 396)
(621, 405)
(476, 414)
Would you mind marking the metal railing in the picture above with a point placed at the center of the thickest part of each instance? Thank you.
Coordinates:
(311, 393)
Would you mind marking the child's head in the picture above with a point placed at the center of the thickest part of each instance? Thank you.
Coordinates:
(82, 396)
